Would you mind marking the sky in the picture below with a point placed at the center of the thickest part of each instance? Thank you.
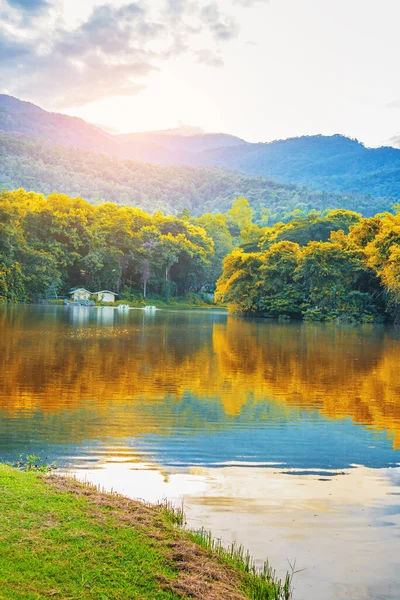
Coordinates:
(259, 69)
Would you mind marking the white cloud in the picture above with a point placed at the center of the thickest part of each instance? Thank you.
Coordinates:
(110, 53)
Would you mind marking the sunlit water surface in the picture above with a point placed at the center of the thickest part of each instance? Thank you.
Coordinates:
(284, 437)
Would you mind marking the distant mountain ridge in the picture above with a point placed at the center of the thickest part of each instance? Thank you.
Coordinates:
(192, 144)
(25, 117)
(159, 146)
(332, 163)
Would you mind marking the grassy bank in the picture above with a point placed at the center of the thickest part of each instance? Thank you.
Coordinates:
(63, 539)
(181, 302)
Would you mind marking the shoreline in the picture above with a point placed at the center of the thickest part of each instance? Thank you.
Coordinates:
(158, 304)
(66, 539)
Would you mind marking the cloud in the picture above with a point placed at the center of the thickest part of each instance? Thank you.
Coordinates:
(250, 3)
(111, 53)
(176, 7)
(116, 33)
(31, 6)
(222, 27)
(209, 58)
(11, 50)
(395, 141)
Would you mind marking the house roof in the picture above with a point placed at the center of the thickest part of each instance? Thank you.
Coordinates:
(106, 292)
(79, 290)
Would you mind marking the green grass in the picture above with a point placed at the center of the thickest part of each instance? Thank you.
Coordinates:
(60, 544)
(63, 539)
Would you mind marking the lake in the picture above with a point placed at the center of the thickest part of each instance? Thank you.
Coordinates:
(284, 437)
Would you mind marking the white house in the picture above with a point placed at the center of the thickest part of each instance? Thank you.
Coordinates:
(106, 296)
(80, 294)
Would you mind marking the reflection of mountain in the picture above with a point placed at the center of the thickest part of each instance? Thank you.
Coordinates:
(185, 374)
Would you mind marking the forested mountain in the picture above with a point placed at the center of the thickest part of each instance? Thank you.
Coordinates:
(330, 163)
(169, 147)
(334, 163)
(27, 118)
(41, 166)
(159, 146)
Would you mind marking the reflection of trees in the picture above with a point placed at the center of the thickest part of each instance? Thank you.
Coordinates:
(115, 378)
(129, 378)
(342, 372)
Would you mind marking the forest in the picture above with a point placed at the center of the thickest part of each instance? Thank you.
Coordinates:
(40, 165)
(338, 266)
(321, 266)
(49, 245)
(332, 163)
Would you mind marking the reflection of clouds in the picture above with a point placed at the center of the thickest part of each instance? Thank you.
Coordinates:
(334, 530)
(331, 529)
(290, 493)
(144, 481)
(393, 475)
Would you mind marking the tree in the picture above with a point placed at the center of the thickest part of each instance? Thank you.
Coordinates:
(145, 276)
(216, 228)
(239, 216)
(383, 255)
(314, 227)
(239, 284)
(280, 293)
(329, 275)
(62, 242)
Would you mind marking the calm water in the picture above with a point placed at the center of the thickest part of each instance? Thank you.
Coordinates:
(284, 437)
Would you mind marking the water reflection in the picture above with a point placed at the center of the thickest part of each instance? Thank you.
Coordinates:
(127, 375)
(284, 437)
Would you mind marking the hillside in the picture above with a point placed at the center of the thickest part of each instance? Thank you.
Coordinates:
(169, 147)
(27, 118)
(331, 163)
(159, 146)
(320, 162)
(41, 166)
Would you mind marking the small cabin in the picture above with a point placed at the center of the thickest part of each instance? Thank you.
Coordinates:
(80, 295)
(105, 296)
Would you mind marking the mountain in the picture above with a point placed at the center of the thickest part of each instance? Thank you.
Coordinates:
(27, 118)
(42, 166)
(160, 146)
(327, 163)
(334, 163)
(180, 148)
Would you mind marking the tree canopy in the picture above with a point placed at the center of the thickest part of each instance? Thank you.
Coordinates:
(48, 245)
(320, 267)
